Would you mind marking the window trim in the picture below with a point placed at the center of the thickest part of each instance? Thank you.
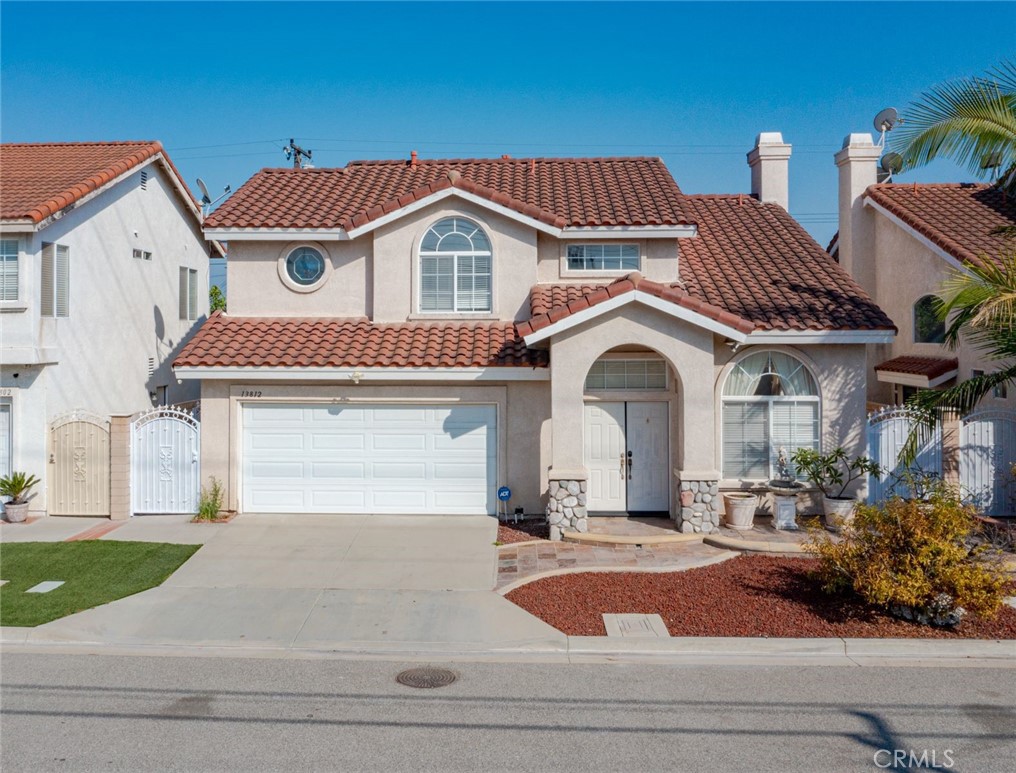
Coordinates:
(55, 310)
(589, 273)
(723, 400)
(288, 281)
(626, 388)
(913, 321)
(189, 288)
(454, 255)
(16, 300)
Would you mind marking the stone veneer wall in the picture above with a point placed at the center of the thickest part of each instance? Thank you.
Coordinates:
(700, 506)
(566, 507)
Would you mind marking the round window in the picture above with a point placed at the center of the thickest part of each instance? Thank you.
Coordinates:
(305, 266)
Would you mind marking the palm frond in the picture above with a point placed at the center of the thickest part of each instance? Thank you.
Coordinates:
(982, 298)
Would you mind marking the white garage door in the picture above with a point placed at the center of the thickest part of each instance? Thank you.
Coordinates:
(369, 458)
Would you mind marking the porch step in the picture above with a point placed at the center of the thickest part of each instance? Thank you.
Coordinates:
(610, 540)
(753, 546)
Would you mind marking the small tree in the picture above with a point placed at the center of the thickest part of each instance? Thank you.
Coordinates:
(216, 300)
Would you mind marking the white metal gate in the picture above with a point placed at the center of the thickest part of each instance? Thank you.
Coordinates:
(888, 430)
(79, 465)
(987, 455)
(165, 461)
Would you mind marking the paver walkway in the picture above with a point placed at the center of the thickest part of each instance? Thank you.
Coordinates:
(763, 531)
(530, 561)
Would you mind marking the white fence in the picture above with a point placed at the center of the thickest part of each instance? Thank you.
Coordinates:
(165, 461)
(888, 430)
(987, 455)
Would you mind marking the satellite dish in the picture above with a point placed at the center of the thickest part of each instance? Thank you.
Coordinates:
(205, 198)
(886, 120)
(892, 163)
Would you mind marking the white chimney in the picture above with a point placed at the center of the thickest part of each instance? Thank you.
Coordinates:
(768, 162)
(858, 165)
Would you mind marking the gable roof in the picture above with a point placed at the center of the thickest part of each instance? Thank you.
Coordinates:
(930, 367)
(38, 180)
(561, 192)
(308, 342)
(957, 217)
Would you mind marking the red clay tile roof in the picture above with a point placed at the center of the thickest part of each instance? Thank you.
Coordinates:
(238, 342)
(932, 367)
(958, 217)
(558, 191)
(38, 179)
(570, 299)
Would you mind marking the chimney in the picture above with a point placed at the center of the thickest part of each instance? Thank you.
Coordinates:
(858, 165)
(768, 162)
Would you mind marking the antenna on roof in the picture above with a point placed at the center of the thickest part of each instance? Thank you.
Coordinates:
(298, 154)
(891, 164)
(206, 199)
(885, 121)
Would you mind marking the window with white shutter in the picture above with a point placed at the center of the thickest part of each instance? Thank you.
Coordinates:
(188, 293)
(770, 403)
(8, 269)
(456, 267)
(56, 277)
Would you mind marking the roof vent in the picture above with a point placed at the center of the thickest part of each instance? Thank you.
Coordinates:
(144, 179)
(412, 159)
(454, 175)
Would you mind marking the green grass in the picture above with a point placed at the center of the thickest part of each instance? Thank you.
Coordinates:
(94, 572)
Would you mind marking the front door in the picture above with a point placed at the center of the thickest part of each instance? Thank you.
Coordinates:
(626, 453)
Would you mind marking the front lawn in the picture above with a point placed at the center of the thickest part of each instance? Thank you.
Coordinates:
(762, 596)
(94, 572)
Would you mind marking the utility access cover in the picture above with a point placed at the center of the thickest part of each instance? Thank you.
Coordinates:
(636, 626)
(426, 677)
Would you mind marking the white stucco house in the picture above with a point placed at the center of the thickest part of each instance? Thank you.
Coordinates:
(103, 276)
(901, 242)
(407, 336)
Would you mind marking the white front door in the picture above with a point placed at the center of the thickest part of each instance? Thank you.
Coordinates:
(604, 453)
(626, 452)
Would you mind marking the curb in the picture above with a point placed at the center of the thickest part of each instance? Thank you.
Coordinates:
(611, 569)
(610, 540)
(754, 546)
(522, 544)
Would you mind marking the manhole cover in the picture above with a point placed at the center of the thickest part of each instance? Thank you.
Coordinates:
(426, 677)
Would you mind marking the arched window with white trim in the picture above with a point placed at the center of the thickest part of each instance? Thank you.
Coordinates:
(770, 401)
(455, 267)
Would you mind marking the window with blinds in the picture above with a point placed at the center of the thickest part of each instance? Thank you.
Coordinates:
(56, 276)
(770, 403)
(456, 267)
(8, 269)
(603, 257)
(188, 293)
(644, 374)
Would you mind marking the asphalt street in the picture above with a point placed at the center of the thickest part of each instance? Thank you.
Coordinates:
(77, 713)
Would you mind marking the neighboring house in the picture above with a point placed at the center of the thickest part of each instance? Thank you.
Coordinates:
(901, 242)
(103, 275)
(406, 336)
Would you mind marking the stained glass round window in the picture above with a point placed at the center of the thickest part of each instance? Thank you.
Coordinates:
(305, 265)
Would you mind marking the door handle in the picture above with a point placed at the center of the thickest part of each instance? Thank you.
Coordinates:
(629, 465)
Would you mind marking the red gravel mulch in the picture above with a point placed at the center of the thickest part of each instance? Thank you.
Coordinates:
(523, 531)
(761, 596)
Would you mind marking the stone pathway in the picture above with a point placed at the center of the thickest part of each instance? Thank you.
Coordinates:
(529, 561)
(650, 527)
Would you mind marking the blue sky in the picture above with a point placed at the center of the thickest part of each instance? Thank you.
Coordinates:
(224, 85)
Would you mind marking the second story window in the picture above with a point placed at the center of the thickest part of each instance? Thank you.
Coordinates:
(603, 257)
(56, 280)
(188, 293)
(928, 328)
(8, 269)
(455, 267)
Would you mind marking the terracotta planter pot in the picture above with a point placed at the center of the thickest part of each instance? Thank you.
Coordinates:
(739, 510)
(838, 512)
(16, 513)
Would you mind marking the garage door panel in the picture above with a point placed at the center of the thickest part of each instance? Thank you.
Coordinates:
(384, 459)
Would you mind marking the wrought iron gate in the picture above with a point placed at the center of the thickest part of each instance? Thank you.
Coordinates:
(987, 456)
(79, 465)
(888, 430)
(165, 461)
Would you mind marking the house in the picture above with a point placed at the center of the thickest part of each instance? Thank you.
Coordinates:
(103, 275)
(407, 336)
(901, 242)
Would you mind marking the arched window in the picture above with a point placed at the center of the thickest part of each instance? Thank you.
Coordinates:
(928, 328)
(455, 267)
(770, 401)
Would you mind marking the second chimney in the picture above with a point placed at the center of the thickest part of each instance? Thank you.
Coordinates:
(769, 163)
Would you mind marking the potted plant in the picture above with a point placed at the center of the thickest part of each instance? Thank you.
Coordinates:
(833, 473)
(16, 486)
(739, 509)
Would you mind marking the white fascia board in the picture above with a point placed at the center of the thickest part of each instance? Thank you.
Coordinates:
(274, 234)
(356, 375)
(17, 226)
(628, 231)
(29, 355)
(820, 337)
(913, 379)
(440, 195)
(634, 296)
(179, 184)
(924, 240)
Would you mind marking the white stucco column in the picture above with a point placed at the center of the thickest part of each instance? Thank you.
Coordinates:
(769, 162)
(857, 162)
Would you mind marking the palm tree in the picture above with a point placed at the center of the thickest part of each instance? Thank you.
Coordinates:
(970, 120)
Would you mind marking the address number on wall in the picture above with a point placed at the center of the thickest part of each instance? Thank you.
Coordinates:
(6, 391)
(250, 393)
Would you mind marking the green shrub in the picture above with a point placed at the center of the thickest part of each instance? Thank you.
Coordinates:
(915, 559)
(210, 502)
